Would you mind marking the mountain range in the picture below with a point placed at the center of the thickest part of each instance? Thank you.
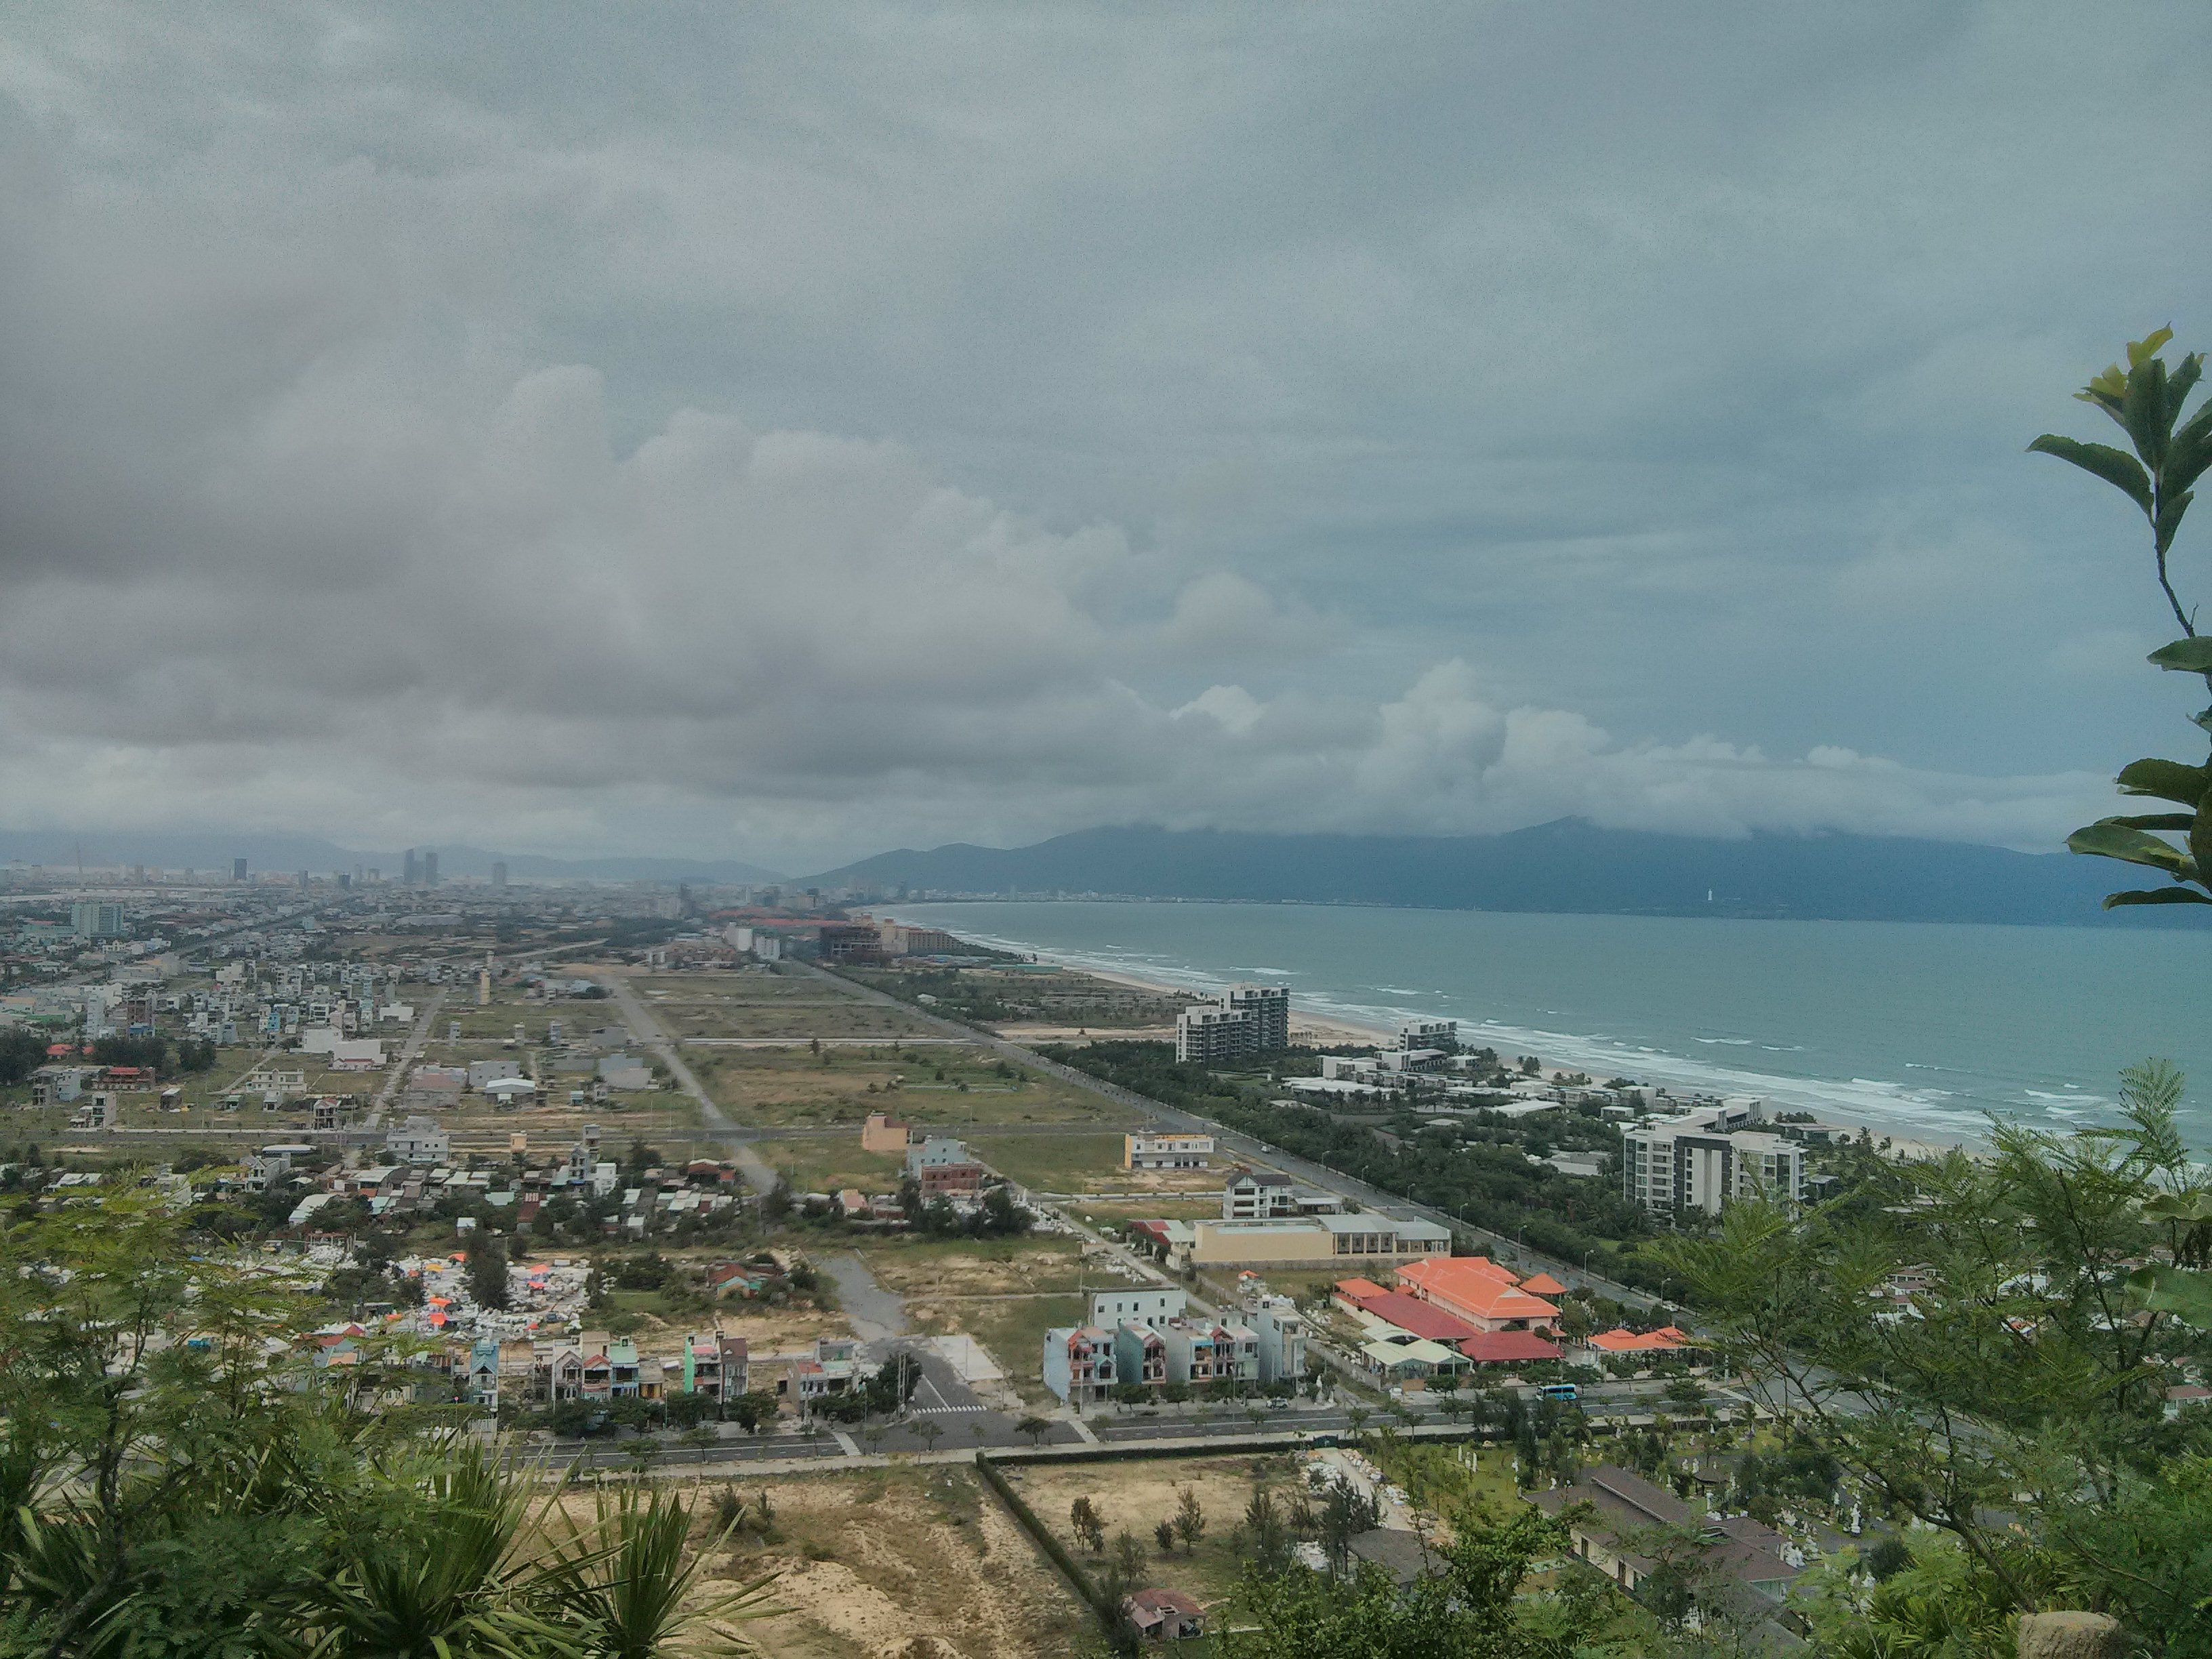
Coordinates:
(1570, 865)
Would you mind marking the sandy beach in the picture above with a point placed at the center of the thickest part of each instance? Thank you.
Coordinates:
(1311, 1030)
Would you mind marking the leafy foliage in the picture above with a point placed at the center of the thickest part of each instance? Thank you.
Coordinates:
(2017, 1406)
(176, 1479)
(2171, 450)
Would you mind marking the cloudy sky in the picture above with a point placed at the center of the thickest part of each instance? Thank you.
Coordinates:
(786, 432)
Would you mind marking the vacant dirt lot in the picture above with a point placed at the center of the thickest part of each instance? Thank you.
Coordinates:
(1136, 1497)
(871, 1561)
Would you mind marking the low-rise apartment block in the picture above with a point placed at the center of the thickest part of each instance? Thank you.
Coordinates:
(1164, 1149)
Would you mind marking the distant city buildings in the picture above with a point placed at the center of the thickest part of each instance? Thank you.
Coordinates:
(90, 919)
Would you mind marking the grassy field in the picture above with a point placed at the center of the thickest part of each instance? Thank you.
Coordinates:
(937, 1085)
(880, 1561)
(973, 1267)
(748, 1005)
(1012, 1330)
(1056, 1164)
(825, 1166)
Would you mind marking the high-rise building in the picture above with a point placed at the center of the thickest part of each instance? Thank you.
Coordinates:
(1248, 1020)
(431, 868)
(499, 874)
(1692, 1163)
(1270, 1008)
(412, 871)
(238, 869)
(90, 919)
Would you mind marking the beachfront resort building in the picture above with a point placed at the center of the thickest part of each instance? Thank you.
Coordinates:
(1247, 1020)
(1166, 1149)
(1705, 1161)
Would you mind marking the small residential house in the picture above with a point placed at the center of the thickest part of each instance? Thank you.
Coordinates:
(1164, 1615)
(1078, 1364)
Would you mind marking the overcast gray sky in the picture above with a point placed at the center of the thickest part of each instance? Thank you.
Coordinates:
(786, 433)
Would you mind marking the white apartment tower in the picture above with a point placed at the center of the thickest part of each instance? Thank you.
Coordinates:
(1689, 1165)
(1248, 1020)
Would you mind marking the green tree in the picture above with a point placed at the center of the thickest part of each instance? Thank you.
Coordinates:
(1036, 1427)
(2018, 1406)
(1475, 1604)
(487, 1269)
(2170, 453)
(1088, 1525)
(1189, 1519)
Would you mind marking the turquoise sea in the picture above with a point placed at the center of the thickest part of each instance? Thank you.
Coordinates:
(1921, 1028)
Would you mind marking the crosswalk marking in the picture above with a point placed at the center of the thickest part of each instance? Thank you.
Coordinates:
(946, 1410)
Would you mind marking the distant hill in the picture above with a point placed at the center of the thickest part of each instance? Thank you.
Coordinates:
(1569, 866)
(213, 851)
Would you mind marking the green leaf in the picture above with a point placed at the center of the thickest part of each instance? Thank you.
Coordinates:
(2115, 466)
(2141, 351)
(2181, 382)
(2189, 656)
(2186, 458)
(2155, 896)
(2148, 425)
(2170, 509)
(2107, 841)
(2180, 1206)
(2183, 821)
(2177, 1291)
(2185, 785)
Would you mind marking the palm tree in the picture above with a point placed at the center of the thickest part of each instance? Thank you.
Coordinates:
(451, 1579)
(625, 1583)
(1356, 1416)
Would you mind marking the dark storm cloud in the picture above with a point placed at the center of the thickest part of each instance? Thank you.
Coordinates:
(786, 431)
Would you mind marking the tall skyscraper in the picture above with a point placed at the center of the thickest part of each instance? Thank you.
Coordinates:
(499, 875)
(431, 868)
(238, 869)
(412, 875)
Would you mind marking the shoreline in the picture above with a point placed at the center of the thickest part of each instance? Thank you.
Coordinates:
(1333, 1027)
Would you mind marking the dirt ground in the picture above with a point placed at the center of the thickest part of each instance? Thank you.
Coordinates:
(870, 1562)
(1033, 1265)
(1136, 1496)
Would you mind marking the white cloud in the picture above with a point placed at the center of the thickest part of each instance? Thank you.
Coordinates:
(798, 440)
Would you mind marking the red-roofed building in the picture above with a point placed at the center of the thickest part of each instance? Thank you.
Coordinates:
(1507, 1348)
(1543, 1285)
(1349, 1293)
(1477, 1290)
(1417, 1318)
(1665, 1339)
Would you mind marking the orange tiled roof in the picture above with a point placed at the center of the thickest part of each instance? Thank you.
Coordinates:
(1624, 1340)
(1476, 1286)
(1543, 1285)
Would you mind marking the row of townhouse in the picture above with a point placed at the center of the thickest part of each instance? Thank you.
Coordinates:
(1152, 1340)
(717, 1366)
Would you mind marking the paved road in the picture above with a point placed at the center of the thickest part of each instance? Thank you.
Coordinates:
(415, 1039)
(648, 1031)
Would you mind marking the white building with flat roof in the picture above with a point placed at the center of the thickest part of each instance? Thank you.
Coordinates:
(1165, 1149)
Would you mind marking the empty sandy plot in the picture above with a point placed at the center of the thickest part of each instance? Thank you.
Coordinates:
(869, 1562)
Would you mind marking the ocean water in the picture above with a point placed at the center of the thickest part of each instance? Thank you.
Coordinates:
(1922, 1029)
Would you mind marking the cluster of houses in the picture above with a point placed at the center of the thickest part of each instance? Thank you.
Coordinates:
(1446, 1316)
(1145, 1338)
(596, 1368)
